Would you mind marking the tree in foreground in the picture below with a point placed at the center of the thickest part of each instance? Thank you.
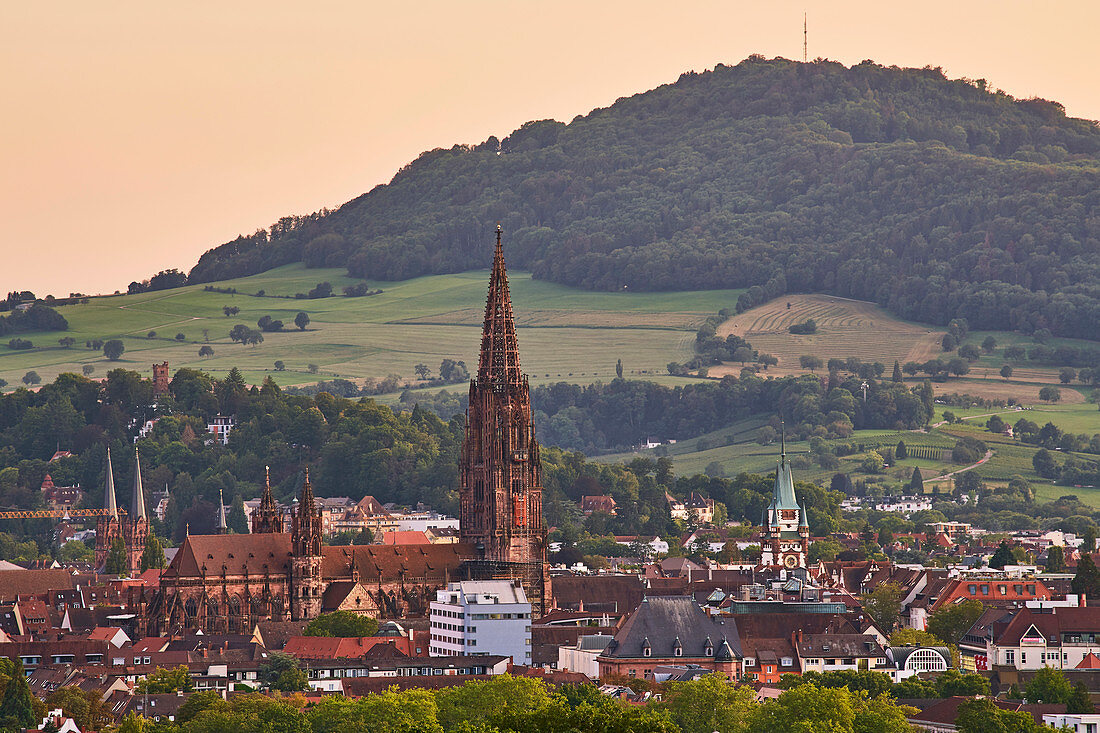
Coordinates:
(1087, 579)
(1056, 560)
(1049, 686)
(281, 672)
(342, 623)
(883, 605)
(116, 563)
(951, 623)
(153, 554)
(237, 518)
(1002, 557)
(17, 703)
(812, 709)
(708, 704)
(982, 716)
(163, 681)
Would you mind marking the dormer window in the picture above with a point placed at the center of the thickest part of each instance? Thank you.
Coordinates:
(677, 648)
(647, 650)
(708, 651)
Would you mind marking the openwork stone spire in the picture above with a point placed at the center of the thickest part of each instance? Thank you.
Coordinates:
(500, 501)
(499, 361)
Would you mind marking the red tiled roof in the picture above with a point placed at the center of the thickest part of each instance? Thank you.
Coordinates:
(1091, 661)
(258, 553)
(322, 647)
(383, 563)
(405, 537)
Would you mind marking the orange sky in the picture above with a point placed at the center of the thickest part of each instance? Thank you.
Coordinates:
(136, 135)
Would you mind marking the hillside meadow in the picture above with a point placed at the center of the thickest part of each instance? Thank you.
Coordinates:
(564, 333)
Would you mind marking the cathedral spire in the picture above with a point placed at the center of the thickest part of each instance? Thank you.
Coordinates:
(499, 361)
(137, 501)
(109, 502)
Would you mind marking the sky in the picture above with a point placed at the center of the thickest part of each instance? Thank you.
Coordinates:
(136, 135)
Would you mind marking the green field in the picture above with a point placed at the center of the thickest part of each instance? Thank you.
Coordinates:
(564, 333)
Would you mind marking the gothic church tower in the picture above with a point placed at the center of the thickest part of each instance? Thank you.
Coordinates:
(136, 528)
(268, 517)
(109, 526)
(500, 498)
(307, 584)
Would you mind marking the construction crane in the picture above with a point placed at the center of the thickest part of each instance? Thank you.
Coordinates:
(58, 513)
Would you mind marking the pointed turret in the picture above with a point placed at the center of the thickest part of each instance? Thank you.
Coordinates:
(109, 502)
(783, 495)
(223, 527)
(267, 517)
(137, 501)
(499, 360)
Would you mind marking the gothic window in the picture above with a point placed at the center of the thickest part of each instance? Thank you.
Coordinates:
(191, 609)
(212, 609)
(258, 607)
(234, 606)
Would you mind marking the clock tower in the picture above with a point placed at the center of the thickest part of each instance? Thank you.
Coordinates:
(786, 538)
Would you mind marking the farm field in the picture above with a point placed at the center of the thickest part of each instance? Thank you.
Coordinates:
(844, 328)
(864, 330)
(564, 333)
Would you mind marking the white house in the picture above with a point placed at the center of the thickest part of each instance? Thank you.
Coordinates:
(221, 426)
(481, 617)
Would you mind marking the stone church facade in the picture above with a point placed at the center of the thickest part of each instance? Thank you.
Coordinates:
(226, 583)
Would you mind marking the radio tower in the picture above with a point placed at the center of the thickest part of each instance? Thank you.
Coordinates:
(805, 40)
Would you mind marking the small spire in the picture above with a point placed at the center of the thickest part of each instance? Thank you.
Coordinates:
(223, 528)
(267, 477)
(109, 502)
(782, 442)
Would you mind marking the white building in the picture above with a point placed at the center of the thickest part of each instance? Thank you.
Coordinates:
(1078, 722)
(423, 521)
(481, 617)
(220, 427)
(903, 504)
(582, 657)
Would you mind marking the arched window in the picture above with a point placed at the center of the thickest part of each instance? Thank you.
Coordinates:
(191, 609)
(926, 660)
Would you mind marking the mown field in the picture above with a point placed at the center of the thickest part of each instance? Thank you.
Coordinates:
(564, 333)
(847, 328)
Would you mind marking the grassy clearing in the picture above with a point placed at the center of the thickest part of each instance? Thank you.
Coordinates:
(564, 333)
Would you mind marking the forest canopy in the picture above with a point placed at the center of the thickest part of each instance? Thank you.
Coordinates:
(936, 198)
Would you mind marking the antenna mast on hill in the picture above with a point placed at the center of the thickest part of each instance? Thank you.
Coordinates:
(805, 40)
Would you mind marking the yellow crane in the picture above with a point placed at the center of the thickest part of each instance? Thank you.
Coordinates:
(58, 513)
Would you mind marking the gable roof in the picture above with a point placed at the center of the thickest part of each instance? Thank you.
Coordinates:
(33, 582)
(258, 553)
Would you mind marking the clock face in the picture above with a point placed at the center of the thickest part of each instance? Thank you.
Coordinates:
(790, 561)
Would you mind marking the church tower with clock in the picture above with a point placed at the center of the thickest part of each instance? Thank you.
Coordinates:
(786, 538)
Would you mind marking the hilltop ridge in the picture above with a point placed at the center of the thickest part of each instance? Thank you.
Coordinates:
(936, 198)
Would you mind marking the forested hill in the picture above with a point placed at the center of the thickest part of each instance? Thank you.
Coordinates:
(937, 198)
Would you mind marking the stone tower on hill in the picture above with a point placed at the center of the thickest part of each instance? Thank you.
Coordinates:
(500, 497)
(160, 379)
